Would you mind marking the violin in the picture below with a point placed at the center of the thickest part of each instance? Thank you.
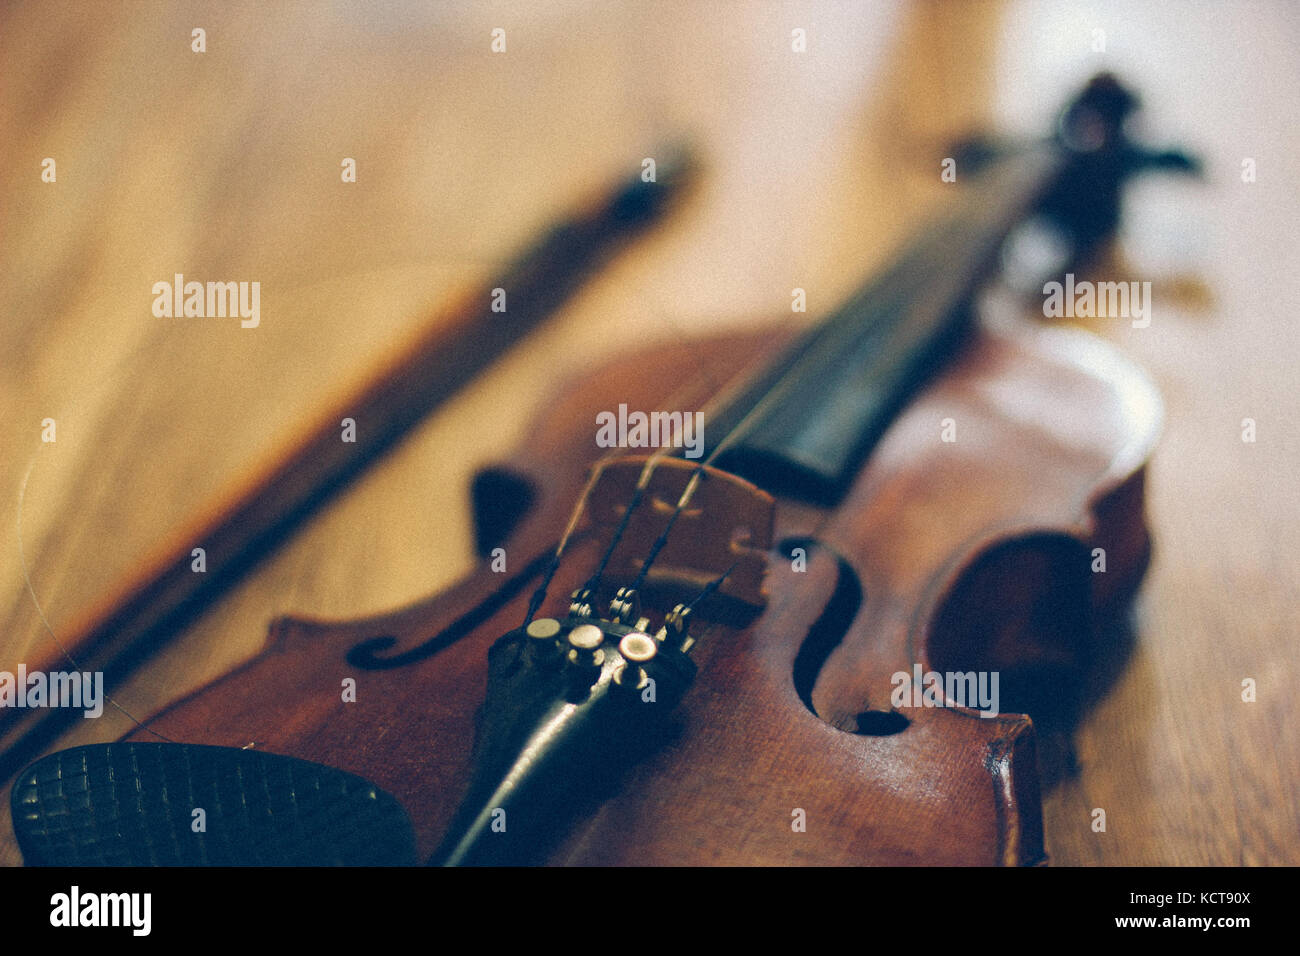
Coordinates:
(774, 597)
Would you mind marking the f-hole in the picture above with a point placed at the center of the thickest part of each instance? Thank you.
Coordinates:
(826, 634)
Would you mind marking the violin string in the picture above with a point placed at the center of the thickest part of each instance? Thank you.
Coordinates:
(785, 384)
(696, 476)
(638, 493)
(689, 491)
(539, 595)
(40, 611)
(720, 397)
(712, 586)
(730, 388)
(643, 482)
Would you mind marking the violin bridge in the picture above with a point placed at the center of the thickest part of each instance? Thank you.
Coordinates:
(725, 528)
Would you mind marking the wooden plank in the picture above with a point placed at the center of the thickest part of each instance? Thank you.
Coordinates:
(228, 167)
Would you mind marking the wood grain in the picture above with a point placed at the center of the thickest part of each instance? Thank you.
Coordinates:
(225, 165)
(924, 520)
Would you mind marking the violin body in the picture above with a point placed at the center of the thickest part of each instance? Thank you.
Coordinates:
(995, 528)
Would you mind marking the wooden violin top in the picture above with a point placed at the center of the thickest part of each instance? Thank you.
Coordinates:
(997, 527)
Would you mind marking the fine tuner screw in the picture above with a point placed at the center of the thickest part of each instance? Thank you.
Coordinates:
(583, 603)
(636, 649)
(544, 628)
(542, 638)
(625, 607)
(585, 642)
(676, 630)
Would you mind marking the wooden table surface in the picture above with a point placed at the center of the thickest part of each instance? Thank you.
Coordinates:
(225, 165)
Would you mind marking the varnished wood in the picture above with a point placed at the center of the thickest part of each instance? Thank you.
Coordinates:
(819, 167)
(446, 351)
(1056, 427)
(725, 533)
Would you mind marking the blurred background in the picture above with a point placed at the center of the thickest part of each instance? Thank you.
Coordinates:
(226, 165)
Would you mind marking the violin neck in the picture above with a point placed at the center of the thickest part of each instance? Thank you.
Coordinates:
(805, 425)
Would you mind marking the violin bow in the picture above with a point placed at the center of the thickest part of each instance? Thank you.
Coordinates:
(455, 346)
